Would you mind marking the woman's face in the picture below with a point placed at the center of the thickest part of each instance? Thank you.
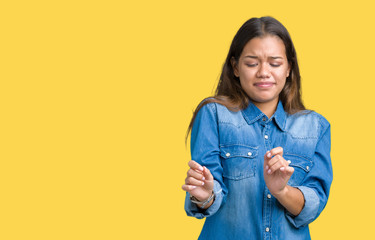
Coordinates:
(262, 68)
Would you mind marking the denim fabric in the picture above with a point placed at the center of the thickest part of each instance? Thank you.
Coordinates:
(232, 146)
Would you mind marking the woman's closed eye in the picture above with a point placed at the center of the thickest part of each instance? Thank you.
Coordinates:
(256, 64)
(275, 64)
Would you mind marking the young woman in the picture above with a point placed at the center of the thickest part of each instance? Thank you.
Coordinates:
(261, 167)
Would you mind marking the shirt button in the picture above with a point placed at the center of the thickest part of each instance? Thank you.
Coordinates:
(249, 153)
(264, 119)
(267, 229)
(228, 154)
(268, 195)
(307, 167)
(266, 136)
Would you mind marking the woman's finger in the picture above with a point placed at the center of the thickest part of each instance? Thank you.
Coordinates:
(267, 156)
(188, 188)
(195, 166)
(270, 162)
(207, 174)
(277, 151)
(289, 171)
(195, 174)
(278, 165)
(273, 152)
(193, 181)
(274, 160)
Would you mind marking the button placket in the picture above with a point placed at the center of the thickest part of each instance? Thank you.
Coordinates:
(267, 213)
(267, 206)
(267, 137)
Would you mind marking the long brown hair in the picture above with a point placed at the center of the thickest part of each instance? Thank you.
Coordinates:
(229, 91)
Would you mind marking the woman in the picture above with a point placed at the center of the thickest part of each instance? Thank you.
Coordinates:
(262, 166)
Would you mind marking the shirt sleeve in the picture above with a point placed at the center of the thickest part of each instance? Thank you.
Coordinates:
(205, 151)
(316, 186)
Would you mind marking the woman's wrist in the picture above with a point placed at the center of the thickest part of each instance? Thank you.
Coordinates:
(208, 204)
(292, 199)
(205, 203)
(281, 194)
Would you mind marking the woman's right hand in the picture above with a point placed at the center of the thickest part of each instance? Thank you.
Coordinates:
(199, 181)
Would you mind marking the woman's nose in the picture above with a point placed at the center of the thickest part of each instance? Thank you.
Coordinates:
(263, 71)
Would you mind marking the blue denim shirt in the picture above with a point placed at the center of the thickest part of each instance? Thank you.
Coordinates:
(232, 146)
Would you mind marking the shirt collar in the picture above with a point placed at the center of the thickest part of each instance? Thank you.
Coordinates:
(253, 114)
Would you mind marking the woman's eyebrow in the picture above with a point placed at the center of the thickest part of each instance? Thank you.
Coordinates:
(250, 56)
(256, 57)
(276, 57)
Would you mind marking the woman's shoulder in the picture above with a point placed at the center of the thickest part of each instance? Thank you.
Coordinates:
(217, 105)
(207, 104)
(309, 115)
(307, 122)
(221, 112)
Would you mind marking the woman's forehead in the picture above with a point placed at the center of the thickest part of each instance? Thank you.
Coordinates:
(267, 46)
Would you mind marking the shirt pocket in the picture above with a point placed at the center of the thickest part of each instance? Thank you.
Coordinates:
(301, 165)
(238, 161)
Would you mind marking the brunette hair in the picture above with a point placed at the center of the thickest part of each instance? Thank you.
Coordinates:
(229, 91)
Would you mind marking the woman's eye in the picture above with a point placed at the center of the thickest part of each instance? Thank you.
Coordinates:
(275, 65)
(251, 65)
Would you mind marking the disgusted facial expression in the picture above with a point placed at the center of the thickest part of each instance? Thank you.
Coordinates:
(262, 69)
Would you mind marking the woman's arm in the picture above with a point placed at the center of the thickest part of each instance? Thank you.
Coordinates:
(314, 188)
(199, 183)
(206, 152)
(276, 175)
(292, 199)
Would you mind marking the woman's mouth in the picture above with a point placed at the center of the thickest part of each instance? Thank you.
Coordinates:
(264, 84)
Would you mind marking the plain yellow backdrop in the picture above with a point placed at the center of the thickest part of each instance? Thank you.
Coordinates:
(96, 97)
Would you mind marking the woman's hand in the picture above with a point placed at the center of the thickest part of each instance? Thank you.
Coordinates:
(199, 182)
(276, 171)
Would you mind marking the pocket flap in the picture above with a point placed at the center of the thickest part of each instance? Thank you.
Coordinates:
(229, 151)
(298, 161)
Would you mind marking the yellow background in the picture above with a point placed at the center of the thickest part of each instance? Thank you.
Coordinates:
(96, 97)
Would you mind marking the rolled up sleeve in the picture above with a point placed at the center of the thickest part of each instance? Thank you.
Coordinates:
(193, 210)
(309, 211)
(316, 185)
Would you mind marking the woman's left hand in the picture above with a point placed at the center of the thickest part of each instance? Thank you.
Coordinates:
(276, 171)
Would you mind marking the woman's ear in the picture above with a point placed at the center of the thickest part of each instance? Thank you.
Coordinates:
(234, 66)
(288, 71)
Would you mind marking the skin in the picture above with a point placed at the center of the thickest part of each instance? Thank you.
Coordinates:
(199, 182)
(262, 69)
